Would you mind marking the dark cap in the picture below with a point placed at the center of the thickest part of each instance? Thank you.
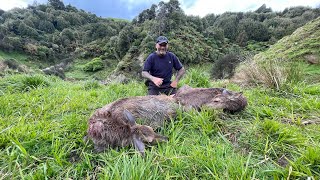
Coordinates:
(162, 39)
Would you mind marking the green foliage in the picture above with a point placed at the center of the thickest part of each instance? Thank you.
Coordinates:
(26, 30)
(225, 66)
(255, 30)
(95, 64)
(11, 43)
(57, 4)
(46, 26)
(229, 24)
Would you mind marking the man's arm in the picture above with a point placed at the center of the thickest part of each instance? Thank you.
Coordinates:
(155, 80)
(180, 74)
(178, 77)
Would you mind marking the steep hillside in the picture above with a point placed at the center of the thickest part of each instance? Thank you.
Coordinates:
(304, 42)
(294, 58)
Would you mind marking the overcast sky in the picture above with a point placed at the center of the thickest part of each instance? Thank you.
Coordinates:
(128, 9)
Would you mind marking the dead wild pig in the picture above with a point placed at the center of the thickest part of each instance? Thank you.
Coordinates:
(106, 131)
(216, 98)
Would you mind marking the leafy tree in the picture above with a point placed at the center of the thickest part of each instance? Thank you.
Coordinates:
(26, 30)
(147, 14)
(60, 23)
(46, 26)
(1, 12)
(56, 4)
(210, 18)
(12, 43)
(263, 9)
(196, 23)
(294, 11)
(125, 39)
(70, 8)
(242, 39)
(228, 22)
(214, 33)
(255, 30)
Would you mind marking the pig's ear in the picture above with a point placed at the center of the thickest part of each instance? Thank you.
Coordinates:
(129, 117)
(138, 144)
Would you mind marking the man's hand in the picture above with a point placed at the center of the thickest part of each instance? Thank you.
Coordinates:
(174, 84)
(157, 81)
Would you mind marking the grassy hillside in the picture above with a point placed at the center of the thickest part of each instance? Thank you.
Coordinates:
(292, 59)
(304, 41)
(43, 120)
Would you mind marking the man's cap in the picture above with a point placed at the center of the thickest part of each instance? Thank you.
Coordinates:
(162, 39)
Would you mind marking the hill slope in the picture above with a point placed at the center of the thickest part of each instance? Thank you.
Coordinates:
(293, 58)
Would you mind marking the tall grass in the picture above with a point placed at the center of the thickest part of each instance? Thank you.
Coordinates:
(197, 77)
(272, 73)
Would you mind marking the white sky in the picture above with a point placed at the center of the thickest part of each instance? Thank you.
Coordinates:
(9, 4)
(200, 7)
(203, 7)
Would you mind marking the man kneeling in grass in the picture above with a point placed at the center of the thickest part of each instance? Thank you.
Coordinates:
(158, 69)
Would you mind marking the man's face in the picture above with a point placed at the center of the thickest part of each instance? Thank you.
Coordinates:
(162, 48)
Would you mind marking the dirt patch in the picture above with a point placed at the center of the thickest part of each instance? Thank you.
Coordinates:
(304, 122)
(74, 156)
(283, 161)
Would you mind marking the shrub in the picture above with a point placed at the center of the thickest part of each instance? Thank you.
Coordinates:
(225, 66)
(11, 63)
(35, 81)
(94, 65)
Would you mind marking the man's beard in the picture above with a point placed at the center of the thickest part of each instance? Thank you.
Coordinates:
(162, 51)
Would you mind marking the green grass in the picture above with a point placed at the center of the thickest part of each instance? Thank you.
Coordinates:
(15, 55)
(41, 131)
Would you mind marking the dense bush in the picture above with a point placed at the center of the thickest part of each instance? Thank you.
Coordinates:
(225, 66)
(94, 65)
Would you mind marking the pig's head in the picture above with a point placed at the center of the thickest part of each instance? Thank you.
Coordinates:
(228, 101)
